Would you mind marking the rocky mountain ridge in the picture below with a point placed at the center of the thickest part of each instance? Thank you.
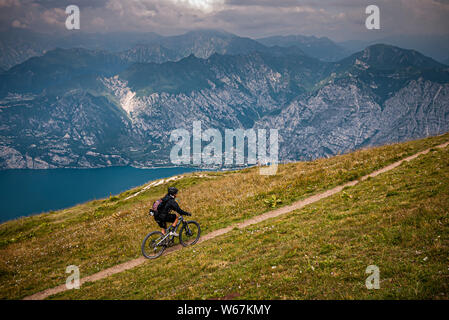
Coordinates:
(82, 108)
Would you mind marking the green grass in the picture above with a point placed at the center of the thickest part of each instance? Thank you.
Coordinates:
(35, 251)
(397, 221)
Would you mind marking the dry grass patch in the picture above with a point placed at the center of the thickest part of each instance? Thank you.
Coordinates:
(35, 251)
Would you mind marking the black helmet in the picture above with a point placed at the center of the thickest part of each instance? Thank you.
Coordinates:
(172, 191)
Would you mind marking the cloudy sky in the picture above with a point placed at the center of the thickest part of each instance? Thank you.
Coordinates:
(338, 19)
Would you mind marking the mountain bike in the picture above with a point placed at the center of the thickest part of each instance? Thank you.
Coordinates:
(156, 242)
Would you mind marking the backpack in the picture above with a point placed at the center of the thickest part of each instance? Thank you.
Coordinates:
(156, 208)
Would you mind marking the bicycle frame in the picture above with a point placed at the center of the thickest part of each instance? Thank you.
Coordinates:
(180, 221)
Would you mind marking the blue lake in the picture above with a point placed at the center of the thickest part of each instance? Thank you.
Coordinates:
(24, 192)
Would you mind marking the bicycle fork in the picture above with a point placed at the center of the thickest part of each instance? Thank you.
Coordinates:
(186, 226)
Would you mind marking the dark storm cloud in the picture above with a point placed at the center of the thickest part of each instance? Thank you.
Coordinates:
(338, 19)
(264, 3)
(64, 3)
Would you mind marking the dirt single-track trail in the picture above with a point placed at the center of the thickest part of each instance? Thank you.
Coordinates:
(271, 214)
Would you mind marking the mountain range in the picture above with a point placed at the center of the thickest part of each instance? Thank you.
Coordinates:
(78, 107)
(18, 45)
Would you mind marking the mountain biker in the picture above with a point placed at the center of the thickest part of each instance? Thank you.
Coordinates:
(169, 204)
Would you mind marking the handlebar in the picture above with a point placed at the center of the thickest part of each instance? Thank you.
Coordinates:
(181, 217)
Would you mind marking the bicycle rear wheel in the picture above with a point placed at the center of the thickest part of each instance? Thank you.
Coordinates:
(152, 246)
(190, 233)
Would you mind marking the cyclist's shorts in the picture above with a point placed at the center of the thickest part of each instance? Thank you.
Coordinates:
(162, 219)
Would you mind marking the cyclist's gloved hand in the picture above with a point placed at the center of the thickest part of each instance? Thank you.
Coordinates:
(188, 214)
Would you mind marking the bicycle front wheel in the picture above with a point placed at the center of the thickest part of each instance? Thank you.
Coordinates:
(152, 245)
(190, 233)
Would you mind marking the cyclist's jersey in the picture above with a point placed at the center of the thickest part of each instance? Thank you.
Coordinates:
(169, 205)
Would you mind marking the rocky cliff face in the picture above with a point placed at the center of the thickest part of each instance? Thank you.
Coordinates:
(73, 130)
(343, 118)
(124, 116)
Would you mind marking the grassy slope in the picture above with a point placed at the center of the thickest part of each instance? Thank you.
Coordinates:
(35, 251)
(397, 221)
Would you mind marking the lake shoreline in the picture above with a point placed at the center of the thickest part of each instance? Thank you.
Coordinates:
(27, 192)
